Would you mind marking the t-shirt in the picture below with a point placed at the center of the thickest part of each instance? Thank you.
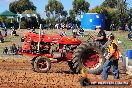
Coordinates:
(114, 46)
(102, 33)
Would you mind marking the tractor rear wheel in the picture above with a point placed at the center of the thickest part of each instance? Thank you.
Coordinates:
(90, 56)
(42, 64)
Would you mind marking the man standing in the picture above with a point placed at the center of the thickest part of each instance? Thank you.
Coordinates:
(3, 25)
(111, 59)
(63, 33)
(101, 37)
(16, 25)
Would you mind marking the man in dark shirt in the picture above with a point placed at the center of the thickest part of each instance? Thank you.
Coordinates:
(101, 37)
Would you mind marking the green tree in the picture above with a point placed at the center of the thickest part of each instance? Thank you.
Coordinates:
(130, 16)
(117, 11)
(64, 15)
(122, 12)
(110, 3)
(98, 9)
(20, 6)
(25, 7)
(72, 15)
(53, 10)
(80, 6)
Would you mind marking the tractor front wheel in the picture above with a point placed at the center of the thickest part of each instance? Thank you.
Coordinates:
(42, 64)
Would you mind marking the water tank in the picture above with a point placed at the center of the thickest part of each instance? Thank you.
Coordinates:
(90, 20)
(129, 60)
(129, 54)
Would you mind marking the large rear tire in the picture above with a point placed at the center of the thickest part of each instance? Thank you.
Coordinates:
(90, 56)
(42, 64)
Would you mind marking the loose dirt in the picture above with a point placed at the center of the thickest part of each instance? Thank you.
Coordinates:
(18, 73)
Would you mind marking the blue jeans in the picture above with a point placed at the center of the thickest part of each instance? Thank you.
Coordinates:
(106, 67)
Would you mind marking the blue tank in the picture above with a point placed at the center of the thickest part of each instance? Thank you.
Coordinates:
(129, 54)
(91, 20)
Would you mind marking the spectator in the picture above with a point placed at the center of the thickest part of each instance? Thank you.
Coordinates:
(14, 49)
(16, 25)
(3, 25)
(72, 26)
(63, 33)
(5, 50)
(57, 26)
(119, 41)
(101, 37)
(81, 32)
(33, 30)
(130, 36)
(127, 28)
(67, 26)
(74, 33)
(14, 32)
(112, 27)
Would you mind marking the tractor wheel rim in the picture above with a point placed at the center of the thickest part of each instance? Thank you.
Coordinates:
(91, 60)
(42, 64)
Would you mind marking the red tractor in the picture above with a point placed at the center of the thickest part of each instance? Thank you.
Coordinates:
(46, 49)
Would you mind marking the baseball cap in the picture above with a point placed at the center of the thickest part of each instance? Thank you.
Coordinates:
(97, 27)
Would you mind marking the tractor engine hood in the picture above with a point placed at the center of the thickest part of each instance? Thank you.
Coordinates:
(61, 40)
(51, 39)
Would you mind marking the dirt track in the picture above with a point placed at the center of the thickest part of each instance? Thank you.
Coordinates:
(18, 74)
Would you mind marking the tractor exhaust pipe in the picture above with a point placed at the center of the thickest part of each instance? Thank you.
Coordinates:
(40, 27)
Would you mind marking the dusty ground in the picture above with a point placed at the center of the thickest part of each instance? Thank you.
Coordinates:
(18, 74)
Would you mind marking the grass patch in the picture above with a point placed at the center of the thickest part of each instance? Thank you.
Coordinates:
(126, 43)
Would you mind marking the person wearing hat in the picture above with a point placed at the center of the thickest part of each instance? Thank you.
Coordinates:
(101, 37)
(111, 59)
(63, 33)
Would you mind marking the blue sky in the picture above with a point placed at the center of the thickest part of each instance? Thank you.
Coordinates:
(40, 4)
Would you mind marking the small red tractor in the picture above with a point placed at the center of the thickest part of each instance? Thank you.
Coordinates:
(46, 49)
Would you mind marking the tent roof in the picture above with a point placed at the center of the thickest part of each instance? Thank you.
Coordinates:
(7, 13)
